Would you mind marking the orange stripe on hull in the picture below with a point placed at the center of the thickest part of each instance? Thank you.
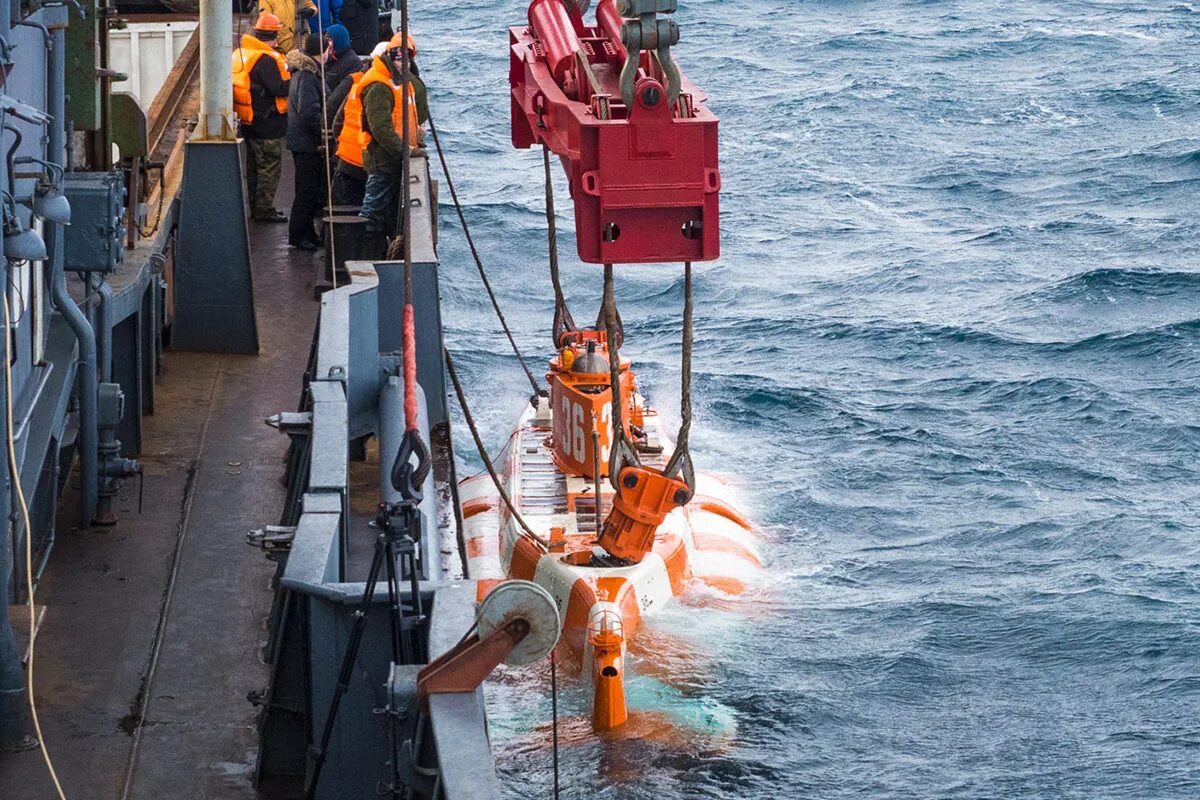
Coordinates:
(715, 542)
(726, 585)
(525, 557)
(722, 509)
(486, 545)
(485, 585)
(674, 554)
(477, 506)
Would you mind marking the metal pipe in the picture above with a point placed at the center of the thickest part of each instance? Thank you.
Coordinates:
(28, 23)
(216, 71)
(69, 166)
(56, 86)
(13, 732)
(609, 20)
(104, 337)
(85, 377)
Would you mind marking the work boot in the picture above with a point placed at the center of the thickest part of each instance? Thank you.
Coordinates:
(274, 215)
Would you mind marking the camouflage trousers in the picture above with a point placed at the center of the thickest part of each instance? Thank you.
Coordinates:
(264, 158)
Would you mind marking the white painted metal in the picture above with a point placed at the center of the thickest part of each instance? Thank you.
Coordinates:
(146, 52)
(525, 600)
(216, 72)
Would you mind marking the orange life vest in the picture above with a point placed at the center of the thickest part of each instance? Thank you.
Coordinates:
(244, 59)
(354, 137)
(348, 149)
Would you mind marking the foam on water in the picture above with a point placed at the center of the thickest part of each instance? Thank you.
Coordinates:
(952, 348)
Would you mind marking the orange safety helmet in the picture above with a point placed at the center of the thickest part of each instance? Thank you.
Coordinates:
(397, 41)
(268, 22)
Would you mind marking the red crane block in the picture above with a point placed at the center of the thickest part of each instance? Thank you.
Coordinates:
(644, 179)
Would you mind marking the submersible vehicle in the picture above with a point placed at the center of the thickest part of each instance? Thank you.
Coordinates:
(152, 331)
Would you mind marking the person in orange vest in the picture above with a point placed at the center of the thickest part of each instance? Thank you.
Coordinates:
(260, 91)
(374, 109)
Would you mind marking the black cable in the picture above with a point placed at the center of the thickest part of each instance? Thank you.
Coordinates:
(478, 261)
(562, 315)
(462, 402)
(621, 453)
(685, 382)
(554, 715)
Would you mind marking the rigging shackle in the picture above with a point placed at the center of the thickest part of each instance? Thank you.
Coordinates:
(643, 30)
(408, 477)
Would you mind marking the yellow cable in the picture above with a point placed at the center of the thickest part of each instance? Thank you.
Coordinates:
(16, 479)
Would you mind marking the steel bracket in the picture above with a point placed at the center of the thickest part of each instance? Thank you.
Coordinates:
(293, 423)
(272, 538)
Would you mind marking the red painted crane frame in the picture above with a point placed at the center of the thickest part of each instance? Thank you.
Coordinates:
(644, 180)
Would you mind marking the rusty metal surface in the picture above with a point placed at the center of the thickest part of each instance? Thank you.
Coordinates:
(175, 90)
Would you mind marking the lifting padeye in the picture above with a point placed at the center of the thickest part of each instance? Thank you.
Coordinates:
(637, 141)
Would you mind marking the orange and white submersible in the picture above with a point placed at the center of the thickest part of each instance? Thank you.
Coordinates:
(657, 535)
(594, 502)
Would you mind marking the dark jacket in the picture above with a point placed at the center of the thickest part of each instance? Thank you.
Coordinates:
(266, 83)
(304, 134)
(361, 18)
(386, 149)
(339, 78)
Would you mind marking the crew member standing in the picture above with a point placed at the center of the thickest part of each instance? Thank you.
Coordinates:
(285, 11)
(341, 67)
(329, 14)
(361, 18)
(305, 138)
(378, 98)
(260, 91)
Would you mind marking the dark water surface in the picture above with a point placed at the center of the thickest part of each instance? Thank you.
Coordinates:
(952, 351)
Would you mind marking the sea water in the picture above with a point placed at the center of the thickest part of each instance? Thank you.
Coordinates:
(950, 354)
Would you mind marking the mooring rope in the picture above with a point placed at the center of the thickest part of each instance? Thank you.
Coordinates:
(487, 285)
(554, 715)
(487, 461)
(332, 240)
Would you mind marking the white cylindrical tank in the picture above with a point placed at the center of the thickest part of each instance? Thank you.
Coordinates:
(216, 71)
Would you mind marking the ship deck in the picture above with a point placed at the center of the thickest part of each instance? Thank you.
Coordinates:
(152, 632)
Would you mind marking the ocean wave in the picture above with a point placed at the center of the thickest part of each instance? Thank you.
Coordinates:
(1176, 342)
(1113, 283)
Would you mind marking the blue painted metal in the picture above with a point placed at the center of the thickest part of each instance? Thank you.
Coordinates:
(86, 376)
(214, 291)
(354, 390)
(95, 240)
(13, 732)
(49, 433)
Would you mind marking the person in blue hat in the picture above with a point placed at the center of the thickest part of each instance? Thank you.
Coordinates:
(341, 68)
